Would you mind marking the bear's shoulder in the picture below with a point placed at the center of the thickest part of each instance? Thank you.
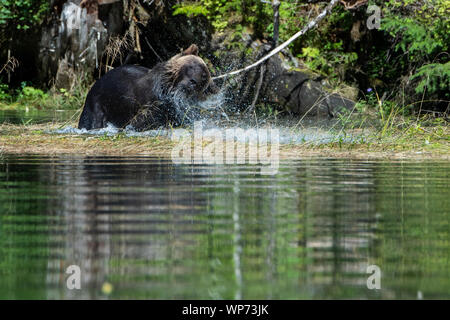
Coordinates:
(131, 70)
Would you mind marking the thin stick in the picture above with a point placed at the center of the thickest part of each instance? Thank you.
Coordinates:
(308, 27)
(258, 88)
(150, 46)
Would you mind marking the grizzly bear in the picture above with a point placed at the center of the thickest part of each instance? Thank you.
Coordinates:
(149, 98)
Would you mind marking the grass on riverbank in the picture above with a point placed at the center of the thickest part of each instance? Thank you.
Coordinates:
(415, 142)
(374, 129)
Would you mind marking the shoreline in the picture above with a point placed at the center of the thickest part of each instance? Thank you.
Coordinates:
(34, 140)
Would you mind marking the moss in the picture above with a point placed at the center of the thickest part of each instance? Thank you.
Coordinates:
(307, 71)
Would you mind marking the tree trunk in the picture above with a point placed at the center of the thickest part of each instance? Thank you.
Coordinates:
(276, 21)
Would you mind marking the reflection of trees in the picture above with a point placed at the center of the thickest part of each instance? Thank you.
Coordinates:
(22, 230)
(151, 224)
(340, 209)
(306, 232)
(117, 212)
(156, 230)
(414, 199)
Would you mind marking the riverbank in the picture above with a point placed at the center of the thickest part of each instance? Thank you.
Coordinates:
(422, 143)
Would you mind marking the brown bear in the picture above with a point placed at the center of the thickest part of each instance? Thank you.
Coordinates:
(149, 98)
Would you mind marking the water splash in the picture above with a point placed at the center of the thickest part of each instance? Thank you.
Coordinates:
(213, 114)
(287, 135)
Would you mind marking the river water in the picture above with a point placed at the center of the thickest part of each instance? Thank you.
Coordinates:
(148, 228)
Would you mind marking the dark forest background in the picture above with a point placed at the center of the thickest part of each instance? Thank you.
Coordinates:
(404, 63)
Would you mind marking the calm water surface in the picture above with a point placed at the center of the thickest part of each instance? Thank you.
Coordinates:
(34, 116)
(157, 230)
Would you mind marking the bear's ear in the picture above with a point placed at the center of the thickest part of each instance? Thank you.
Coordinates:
(193, 49)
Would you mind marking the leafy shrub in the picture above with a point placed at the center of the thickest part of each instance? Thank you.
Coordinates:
(190, 10)
(22, 14)
(434, 77)
(421, 33)
(5, 95)
(30, 94)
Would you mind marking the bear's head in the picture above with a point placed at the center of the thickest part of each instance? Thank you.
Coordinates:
(190, 74)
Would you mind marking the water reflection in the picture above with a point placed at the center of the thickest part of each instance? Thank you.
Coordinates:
(34, 116)
(158, 230)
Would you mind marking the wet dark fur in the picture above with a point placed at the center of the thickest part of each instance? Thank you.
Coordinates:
(147, 99)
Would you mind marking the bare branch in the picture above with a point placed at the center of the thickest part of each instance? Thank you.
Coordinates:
(10, 65)
(308, 27)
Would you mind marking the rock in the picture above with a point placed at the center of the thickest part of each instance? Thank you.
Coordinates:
(286, 86)
(73, 41)
(311, 98)
(301, 92)
(337, 104)
(282, 83)
(349, 92)
(64, 76)
(178, 33)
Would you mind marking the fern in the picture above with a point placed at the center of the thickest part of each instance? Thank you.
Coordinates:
(416, 39)
(422, 36)
(434, 77)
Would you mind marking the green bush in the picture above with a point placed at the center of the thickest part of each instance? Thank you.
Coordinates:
(190, 10)
(5, 95)
(28, 96)
(22, 14)
(433, 77)
(421, 35)
(31, 94)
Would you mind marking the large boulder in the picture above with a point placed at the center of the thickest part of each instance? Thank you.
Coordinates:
(75, 37)
(301, 92)
(286, 84)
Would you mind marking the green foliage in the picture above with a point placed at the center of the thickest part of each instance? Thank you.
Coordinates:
(421, 33)
(417, 40)
(22, 14)
(5, 95)
(434, 77)
(190, 10)
(320, 49)
(28, 96)
(329, 59)
(292, 19)
(223, 13)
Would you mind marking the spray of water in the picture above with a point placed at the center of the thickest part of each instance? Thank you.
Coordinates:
(219, 111)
